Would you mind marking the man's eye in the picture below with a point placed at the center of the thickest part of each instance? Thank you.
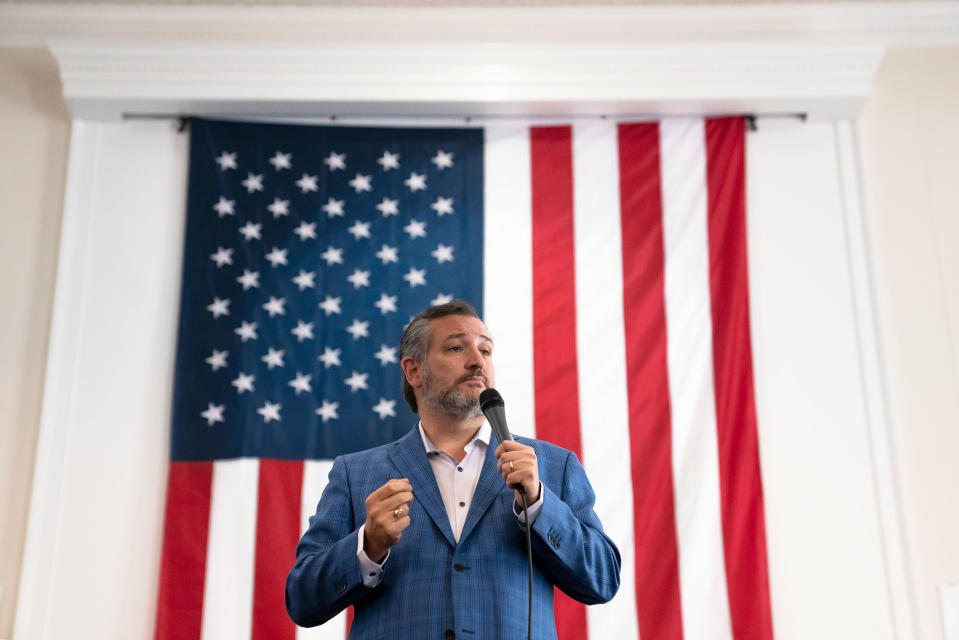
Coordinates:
(486, 352)
(456, 348)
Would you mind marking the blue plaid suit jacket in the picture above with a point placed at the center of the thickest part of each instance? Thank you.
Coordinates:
(431, 585)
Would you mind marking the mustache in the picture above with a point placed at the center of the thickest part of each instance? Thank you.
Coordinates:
(472, 374)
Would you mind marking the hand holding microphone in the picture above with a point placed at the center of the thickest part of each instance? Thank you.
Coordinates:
(517, 462)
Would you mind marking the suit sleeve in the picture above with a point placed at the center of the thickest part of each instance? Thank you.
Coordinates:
(568, 539)
(326, 577)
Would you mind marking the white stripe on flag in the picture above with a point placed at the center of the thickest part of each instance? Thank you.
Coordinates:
(228, 587)
(315, 477)
(508, 270)
(702, 574)
(601, 354)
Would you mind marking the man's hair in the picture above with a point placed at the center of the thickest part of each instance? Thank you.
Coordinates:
(415, 342)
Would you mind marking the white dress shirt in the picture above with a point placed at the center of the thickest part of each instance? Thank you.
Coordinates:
(457, 482)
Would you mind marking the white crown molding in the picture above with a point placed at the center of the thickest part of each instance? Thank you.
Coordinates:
(455, 61)
(887, 23)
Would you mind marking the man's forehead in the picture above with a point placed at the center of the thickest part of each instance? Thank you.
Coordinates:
(454, 327)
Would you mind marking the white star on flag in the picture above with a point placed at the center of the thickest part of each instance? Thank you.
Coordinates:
(416, 181)
(222, 257)
(359, 329)
(306, 230)
(331, 305)
(275, 307)
(357, 381)
(217, 360)
(360, 230)
(302, 331)
(277, 256)
(361, 183)
(305, 279)
(281, 160)
(442, 298)
(246, 331)
(385, 355)
(249, 279)
(224, 207)
(253, 182)
(416, 229)
(415, 277)
(386, 303)
(388, 254)
(213, 413)
(442, 206)
(307, 183)
(219, 307)
(301, 383)
(279, 207)
(243, 382)
(328, 410)
(332, 256)
(273, 358)
(389, 207)
(359, 278)
(330, 357)
(442, 253)
(226, 160)
(389, 161)
(269, 411)
(335, 161)
(251, 230)
(385, 408)
(443, 160)
(333, 208)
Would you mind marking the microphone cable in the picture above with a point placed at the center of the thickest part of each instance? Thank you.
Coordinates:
(529, 558)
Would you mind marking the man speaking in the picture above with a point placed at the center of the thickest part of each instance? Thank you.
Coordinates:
(426, 536)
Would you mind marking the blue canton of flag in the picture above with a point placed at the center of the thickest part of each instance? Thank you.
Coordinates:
(308, 249)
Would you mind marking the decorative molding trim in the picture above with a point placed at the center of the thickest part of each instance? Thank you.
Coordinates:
(107, 81)
(887, 23)
(56, 419)
(817, 59)
(898, 563)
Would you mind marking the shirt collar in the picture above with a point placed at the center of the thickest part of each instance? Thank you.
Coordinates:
(483, 435)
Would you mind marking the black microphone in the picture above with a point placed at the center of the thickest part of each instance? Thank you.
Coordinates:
(491, 402)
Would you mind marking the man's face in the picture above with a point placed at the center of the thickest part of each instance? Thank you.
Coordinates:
(458, 366)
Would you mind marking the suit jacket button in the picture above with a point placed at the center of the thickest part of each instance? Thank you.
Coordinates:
(449, 634)
(459, 568)
(340, 587)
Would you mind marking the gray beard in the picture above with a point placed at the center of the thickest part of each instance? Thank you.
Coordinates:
(451, 402)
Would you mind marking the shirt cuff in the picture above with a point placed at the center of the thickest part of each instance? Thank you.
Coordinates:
(370, 572)
(532, 509)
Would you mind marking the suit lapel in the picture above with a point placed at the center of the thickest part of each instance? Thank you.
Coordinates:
(409, 458)
(488, 487)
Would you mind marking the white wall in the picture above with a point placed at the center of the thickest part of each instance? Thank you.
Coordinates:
(910, 142)
(34, 129)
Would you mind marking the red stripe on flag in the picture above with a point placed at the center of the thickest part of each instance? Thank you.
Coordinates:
(657, 562)
(277, 532)
(556, 381)
(183, 561)
(741, 491)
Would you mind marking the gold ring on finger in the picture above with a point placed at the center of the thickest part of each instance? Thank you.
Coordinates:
(397, 513)
(511, 466)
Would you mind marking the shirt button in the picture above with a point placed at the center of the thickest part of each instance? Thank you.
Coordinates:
(449, 635)
(372, 574)
(458, 469)
(462, 504)
(459, 567)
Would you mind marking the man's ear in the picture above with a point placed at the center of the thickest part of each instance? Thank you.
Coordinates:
(413, 372)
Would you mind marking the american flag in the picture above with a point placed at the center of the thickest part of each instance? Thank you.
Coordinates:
(608, 260)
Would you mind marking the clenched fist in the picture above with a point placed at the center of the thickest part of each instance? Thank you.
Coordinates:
(387, 514)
